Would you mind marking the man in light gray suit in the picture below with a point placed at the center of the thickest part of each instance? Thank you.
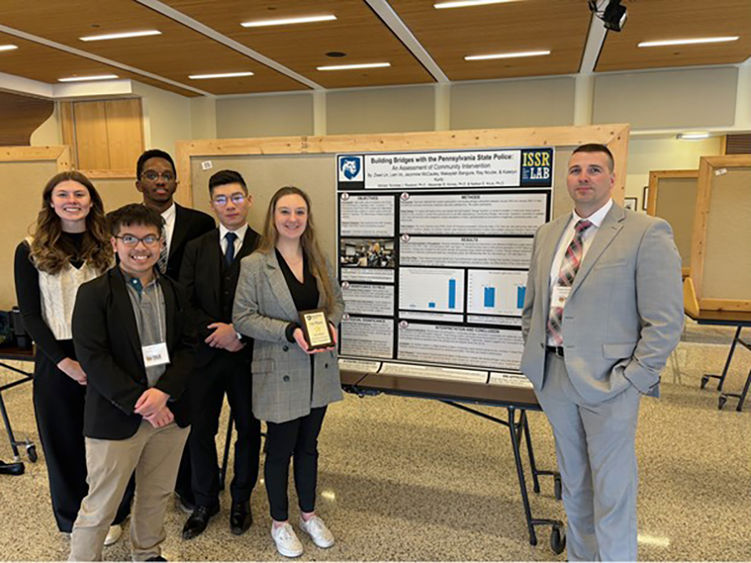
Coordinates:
(603, 311)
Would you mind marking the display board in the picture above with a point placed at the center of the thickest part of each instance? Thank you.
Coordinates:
(24, 171)
(720, 276)
(434, 249)
(672, 196)
(311, 163)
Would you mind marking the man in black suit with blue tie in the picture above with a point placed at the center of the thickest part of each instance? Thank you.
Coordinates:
(210, 269)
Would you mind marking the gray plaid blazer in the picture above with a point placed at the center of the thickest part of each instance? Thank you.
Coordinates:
(283, 387)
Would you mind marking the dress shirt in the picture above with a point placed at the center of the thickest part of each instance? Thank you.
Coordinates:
(238, 241)
(169, 224)
(568, 234)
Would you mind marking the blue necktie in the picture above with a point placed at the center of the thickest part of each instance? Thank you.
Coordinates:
(229, 255)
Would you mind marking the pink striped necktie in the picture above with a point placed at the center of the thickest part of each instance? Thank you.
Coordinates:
(569, 267)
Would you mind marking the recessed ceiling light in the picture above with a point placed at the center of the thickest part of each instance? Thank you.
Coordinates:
(506, 55)
(468, 3)
(666, 42)
(8, 47)
(353, 66)
(289, 21)
(86, 78)
(693, 135)
(219, 75)
(123, 35)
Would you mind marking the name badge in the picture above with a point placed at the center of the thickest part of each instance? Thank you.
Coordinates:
(560, 296)
(155, 354)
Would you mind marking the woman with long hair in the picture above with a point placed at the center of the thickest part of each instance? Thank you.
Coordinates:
(69, 246)
(292, 385)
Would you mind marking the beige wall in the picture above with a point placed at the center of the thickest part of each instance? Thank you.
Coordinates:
(48, 133)
(380, 110)
(264, 116)
(513, 103)
(665, 99)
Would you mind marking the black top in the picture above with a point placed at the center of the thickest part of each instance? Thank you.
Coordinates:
(305, 294)
(30, 299)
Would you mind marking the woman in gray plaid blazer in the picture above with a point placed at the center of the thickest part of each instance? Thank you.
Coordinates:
(291, 384)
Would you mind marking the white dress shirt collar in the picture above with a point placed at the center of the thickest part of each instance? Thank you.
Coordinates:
(597, 217)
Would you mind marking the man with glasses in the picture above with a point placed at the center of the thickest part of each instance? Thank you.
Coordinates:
(134, 341)
(210, 269)
(156, 179)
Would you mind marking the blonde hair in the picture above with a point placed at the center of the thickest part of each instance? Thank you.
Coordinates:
(47, 250)
(312, 251)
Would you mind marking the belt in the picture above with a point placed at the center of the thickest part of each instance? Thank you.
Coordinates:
(557, 350)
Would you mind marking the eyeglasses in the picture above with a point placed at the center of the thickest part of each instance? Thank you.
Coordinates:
(221, 200)
(132, 240)
(153, 176)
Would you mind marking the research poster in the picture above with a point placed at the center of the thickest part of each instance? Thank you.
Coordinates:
(433, 251)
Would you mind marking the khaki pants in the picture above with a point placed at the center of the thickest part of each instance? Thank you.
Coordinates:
(154, 454)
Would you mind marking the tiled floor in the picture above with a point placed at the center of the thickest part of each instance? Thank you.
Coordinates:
(413, 479)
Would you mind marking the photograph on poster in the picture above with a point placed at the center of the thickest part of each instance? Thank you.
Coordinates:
(366, 253)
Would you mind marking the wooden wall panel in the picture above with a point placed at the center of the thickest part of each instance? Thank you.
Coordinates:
(91, 135)
(124, 133)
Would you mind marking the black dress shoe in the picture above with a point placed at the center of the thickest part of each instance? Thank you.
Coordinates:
(197, 522)
(156, 558)
(240, 517)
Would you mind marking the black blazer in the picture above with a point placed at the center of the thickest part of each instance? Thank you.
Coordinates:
(189, 224)
(201, 274)
(108, 347)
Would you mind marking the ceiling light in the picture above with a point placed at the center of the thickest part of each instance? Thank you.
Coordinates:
(666, 42)
(468, 3)
(506, 55)
(219, 75)
(353, 66)
(123, 35)
(693, 135)
(288, 21)
(85, 78)
(8, 47)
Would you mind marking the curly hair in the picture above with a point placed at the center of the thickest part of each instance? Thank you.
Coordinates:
(308, 241)
(48, 253)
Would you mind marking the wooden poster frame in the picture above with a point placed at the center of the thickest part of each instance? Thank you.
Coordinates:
(654, 185)
(692, 286)
(615, 136)
(60, 154)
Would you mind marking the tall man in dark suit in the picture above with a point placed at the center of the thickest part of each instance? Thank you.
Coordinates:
(209, 272)
(603, 311)
(156, 179)
(134, 341)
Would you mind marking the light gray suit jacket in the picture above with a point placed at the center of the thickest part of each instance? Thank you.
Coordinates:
(283, 388)
(624, 314)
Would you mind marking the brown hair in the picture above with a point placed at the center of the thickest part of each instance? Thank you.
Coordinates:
(597, 147)
(48, 253)
(308, 241)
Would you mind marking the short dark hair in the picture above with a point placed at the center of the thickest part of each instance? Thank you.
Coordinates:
(224, 177)
(153, 153)
(597, 147)
(134, 214)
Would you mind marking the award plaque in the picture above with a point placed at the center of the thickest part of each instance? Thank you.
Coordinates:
(315, 329)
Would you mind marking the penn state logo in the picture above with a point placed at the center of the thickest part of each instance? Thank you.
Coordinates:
(350, 168)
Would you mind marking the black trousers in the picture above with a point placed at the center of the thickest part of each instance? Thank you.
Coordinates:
(296, 439)
(58, 406)
(225, 374)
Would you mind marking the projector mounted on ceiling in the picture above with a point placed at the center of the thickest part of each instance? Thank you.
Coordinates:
(613, 16)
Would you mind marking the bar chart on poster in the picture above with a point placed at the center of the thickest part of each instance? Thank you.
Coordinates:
(433, 251)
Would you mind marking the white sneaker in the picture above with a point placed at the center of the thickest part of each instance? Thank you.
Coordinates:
(113, 534)
(287, 542)
(317, 531)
